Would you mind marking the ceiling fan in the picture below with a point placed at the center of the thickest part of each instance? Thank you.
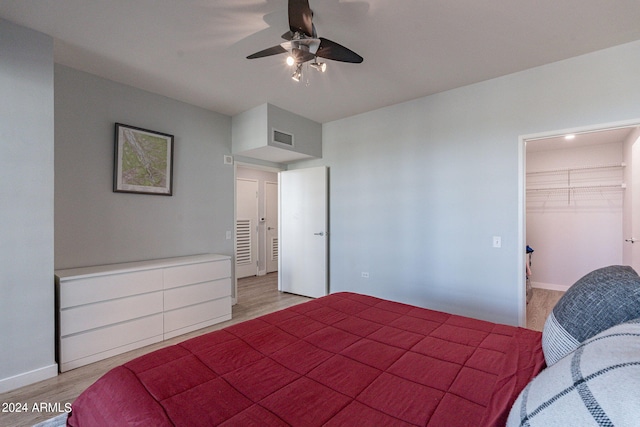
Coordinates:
(303, 44)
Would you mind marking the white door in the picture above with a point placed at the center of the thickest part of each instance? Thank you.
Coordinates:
(635, 205)
(271, 225)
(303, 227)
(246, 227)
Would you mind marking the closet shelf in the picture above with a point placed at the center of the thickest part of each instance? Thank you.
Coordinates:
(578, 168)
(577, 180)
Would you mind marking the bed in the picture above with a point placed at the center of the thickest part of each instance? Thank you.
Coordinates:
(343, 359)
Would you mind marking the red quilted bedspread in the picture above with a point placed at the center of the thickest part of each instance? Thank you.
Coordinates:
(344, 359)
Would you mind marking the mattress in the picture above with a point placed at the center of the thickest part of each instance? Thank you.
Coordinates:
(344, 359)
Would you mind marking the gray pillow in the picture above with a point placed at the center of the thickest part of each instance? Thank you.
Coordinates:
(601, 299)
(596, 385)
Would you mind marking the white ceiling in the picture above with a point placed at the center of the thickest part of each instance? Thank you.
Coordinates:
(195, 50)
(605, 136)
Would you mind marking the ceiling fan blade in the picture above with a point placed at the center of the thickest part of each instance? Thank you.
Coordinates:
(287, 36)
(275, 50)
(332, 50)
(300, 17)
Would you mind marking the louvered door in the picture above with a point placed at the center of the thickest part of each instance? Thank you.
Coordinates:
(246, 227)
(244, 241)
(271, 211)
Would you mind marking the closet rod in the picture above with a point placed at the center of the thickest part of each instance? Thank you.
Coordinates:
(577, 168)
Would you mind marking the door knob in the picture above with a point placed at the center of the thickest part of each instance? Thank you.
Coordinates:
(318, 234)
(632, 240)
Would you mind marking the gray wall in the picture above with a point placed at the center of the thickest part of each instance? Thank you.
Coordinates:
(307, 134)
(252, 129)
(94, 225)
(418, 189)
(26, 207)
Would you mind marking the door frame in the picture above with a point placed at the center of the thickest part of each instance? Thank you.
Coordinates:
(235, 212)
(522, 195)
(632, 254)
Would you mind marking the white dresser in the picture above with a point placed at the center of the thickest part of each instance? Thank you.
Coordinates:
(106, 310)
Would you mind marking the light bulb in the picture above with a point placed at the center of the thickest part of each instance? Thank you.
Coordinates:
(290, 60)
(320, 66)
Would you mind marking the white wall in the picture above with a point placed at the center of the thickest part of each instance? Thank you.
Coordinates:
(575, 232)
(418, 189)
(26, 207)
(94, 225)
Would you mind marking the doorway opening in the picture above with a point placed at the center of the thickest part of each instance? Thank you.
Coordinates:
(577, 198)
(256, 246)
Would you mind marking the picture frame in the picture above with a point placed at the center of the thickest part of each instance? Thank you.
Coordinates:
(143, 161)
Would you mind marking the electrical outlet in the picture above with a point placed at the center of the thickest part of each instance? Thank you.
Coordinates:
(365, 274)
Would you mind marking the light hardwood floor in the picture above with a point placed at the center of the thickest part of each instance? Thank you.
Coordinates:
(256, 296)
(541, 303)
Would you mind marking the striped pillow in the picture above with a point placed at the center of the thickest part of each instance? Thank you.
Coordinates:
(601, 299)
(596, 385)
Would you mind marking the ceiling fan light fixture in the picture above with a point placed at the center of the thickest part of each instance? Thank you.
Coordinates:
(320, 66)
(297, 75)
(303, 46)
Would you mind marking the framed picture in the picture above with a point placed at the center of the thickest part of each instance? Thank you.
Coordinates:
(143, 161)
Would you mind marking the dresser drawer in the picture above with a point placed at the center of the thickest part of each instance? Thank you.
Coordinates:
(186, 319)
(91, 316)
(99, 288)
(194, 294)
(113, 339)
(196, 273)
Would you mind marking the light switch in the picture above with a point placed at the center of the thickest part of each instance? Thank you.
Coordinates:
(497, 241)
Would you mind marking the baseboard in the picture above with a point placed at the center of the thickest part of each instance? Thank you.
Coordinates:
(549, 286)
(27, 378)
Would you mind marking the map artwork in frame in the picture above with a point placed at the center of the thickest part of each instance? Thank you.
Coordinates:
(143, 161)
